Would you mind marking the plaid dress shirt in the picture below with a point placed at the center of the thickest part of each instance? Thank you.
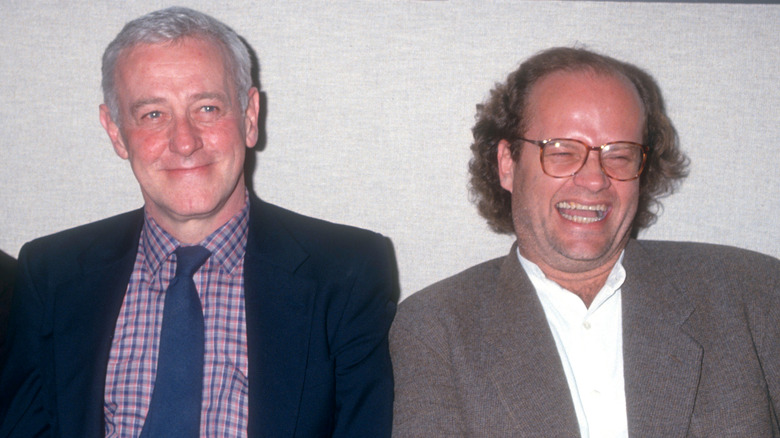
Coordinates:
(133, 359)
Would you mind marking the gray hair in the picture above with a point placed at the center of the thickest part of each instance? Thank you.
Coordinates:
(172, 24)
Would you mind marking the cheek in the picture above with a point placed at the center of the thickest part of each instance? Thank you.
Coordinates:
(630, 194)
(528, 201)
(537, 189)
(629, 201)
(226, 139)
(145, 147)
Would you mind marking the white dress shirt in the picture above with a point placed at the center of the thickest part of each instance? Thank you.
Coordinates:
(590, 344)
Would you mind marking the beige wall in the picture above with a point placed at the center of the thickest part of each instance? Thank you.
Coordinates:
(370, 106)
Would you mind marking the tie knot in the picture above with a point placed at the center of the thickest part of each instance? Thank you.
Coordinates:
(189, 259)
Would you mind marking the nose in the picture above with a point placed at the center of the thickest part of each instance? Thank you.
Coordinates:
(185, 138)
(590, 176)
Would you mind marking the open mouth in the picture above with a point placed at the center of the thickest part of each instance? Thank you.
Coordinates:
(581, 214)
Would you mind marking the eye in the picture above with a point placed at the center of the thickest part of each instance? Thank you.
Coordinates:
(207, 113)
(621, 155)
(152, 117)
(560, 153)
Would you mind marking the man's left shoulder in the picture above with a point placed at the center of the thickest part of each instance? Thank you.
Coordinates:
(707, 255)
(720, 267)
(320, 238)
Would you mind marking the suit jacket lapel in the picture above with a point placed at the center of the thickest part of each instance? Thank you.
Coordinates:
(278, 308)
(85, 311)
(662, 362)
(523, 363)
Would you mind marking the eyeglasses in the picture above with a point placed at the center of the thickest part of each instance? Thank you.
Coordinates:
(564, 157)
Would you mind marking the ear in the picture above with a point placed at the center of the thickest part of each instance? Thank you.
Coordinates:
(506, 165)
(112, 129)
(250, 117)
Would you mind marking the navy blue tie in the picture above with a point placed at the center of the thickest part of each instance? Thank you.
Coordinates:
(178, 388)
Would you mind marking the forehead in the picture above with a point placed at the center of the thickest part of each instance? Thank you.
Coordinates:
(169, 57)
(567, 90)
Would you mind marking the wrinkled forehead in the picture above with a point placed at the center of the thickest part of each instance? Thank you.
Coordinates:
(217, 49)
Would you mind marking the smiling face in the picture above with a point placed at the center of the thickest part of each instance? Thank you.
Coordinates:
(580, 223)
(184, 133)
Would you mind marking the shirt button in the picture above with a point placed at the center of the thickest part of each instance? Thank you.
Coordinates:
(586, 324)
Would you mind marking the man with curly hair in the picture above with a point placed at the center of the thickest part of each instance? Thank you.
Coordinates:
(582, 330)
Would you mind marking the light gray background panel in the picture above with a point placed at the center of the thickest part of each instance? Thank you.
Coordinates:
(370, 106)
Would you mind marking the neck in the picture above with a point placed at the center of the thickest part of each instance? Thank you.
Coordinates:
(585, 283)
(193, 235)
(193, 229)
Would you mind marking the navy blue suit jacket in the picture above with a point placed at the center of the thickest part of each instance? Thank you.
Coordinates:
(320, 298)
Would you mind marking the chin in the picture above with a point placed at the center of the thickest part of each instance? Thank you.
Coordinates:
(193, 208)
(585, 251)
(200, 209)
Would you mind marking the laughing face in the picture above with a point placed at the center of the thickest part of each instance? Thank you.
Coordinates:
(582, 222)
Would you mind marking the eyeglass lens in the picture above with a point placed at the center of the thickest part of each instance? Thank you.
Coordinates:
(621, 161)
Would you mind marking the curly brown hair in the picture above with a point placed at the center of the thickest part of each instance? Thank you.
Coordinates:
(503, 117)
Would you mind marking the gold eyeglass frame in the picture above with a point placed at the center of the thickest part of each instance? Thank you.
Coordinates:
(542, 143)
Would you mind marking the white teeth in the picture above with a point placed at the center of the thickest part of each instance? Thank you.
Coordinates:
(581, 219)
(601, 211)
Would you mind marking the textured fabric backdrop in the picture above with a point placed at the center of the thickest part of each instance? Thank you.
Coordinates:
(370, 106)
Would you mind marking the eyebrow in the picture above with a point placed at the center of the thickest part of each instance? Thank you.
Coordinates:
(208, 95)
(143, 102)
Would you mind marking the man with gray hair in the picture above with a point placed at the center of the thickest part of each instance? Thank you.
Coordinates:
(582, 330)
(207, 312)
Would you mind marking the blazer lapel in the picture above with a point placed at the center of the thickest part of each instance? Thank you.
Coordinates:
(279, 310)
(85, 311)
(662, 362)
(523, 363)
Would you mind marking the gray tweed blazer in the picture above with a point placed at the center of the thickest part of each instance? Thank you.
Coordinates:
(473, 355)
